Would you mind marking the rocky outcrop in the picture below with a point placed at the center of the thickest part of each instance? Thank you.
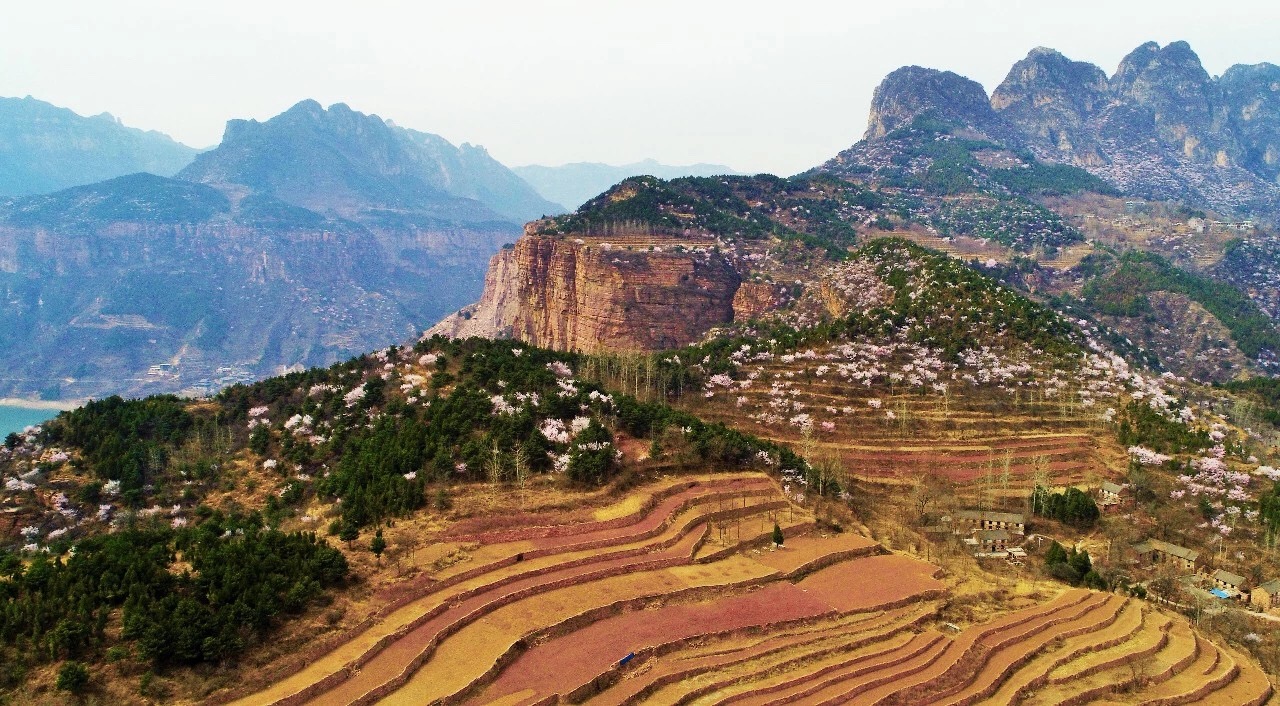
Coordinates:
(567, 294)
(913, 91)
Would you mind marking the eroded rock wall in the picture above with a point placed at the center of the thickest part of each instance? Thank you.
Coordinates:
(567, 294)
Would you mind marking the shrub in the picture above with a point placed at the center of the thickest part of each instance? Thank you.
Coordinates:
(72, 677)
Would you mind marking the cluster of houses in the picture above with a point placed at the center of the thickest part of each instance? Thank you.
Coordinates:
(1226, 585)
(988, 533)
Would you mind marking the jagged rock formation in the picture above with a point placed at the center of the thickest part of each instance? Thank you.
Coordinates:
(44, 148)
(1160, 127)
(568, 294)
(299, 241)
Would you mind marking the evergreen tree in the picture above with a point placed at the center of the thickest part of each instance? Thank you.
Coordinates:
(777, 534)
(1055, 555)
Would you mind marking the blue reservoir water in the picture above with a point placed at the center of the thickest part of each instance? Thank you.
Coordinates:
(18, 418)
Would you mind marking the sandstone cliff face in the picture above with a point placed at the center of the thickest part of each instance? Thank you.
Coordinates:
(569, 295)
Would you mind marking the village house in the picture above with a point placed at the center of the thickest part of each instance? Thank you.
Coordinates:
(1229, 585)
(992, 541)
(1156, 551)
(1109, 493)
(988, 520)
(1267, 595)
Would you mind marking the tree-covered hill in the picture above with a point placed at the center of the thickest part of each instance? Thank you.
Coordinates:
(152, 527)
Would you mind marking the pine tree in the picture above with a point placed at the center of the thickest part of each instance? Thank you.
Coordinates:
(1055, 555)
(777, 534)
(378, 545)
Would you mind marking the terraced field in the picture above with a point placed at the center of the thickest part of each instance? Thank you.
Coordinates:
(964, 437)
(684, 600)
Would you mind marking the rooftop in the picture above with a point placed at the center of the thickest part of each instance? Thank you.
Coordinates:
(991, 516)
(1272, 586)
(1228, 578)
(1173, 549)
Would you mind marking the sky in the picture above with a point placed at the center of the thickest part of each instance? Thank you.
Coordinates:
(760, 86)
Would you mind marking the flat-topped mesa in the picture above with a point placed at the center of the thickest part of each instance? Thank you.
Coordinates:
(585, 293)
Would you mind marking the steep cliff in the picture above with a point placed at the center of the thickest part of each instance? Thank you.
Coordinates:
(1049, 98)
(653, 264)
(568, 294)
(1252, 96)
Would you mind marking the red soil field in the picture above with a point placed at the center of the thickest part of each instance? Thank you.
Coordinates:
(871, 582)
(570, 661)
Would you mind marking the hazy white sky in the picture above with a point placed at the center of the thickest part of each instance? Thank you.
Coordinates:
(762, 86)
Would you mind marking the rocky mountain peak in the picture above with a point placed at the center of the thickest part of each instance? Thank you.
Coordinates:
(1160, 127)
(45, 148)
(1151, 74)
(1046, 75)
(913, 91)
(334, 160)
(1173, 99)
(1049, 97)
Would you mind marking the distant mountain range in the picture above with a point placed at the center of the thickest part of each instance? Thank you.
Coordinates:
(44, 148)
(573, 184)
(1160, 127)
(342, 162)
(298, 241)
